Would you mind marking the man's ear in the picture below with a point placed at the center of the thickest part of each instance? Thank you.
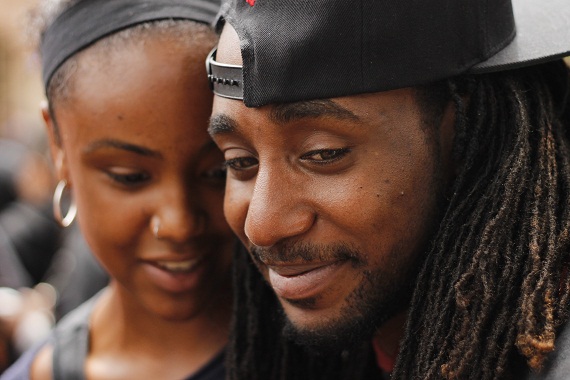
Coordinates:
(55, 143)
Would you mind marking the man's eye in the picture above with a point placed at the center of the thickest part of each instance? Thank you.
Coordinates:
(241, 163)
(325, 156)
(129, 179)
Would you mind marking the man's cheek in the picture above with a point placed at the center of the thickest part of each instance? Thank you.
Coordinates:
(235, 210)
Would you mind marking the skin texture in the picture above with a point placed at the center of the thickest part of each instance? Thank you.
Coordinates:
(135, 152)
(336, 199)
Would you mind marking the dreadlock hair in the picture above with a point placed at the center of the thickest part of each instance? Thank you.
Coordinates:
(494, 286)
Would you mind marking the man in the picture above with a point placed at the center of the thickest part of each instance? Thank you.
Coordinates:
(399, 172)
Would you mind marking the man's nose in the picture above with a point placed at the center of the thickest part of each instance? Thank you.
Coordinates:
(278, 209)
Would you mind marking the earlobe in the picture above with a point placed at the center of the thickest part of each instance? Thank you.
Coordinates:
(46, 116)
(55, 145)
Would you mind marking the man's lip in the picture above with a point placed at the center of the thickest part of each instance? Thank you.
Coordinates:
(292, 270)
(297, 282)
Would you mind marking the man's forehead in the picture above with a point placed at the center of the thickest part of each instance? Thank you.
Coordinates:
(229, 47)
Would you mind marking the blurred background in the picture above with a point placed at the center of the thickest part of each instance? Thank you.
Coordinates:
(45, 271)
(20, 79)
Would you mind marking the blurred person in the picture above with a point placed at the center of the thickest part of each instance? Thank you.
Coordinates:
(128, 106)
(35, 251)
(29, 240)
(12, 157)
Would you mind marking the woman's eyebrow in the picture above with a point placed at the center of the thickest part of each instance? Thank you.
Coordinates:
(119, 144)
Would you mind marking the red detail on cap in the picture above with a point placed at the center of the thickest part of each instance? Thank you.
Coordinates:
(250, 2)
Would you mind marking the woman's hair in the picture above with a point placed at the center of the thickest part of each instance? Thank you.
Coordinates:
(60, 86)
(494, 286)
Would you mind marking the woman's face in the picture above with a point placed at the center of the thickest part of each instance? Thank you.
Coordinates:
(136, 154)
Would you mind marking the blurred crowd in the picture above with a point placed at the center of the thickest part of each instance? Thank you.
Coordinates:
(45, 270)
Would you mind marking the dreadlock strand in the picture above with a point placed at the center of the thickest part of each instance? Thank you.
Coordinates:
(508, 269)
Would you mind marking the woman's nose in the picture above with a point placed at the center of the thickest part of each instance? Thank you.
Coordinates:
(178, 216)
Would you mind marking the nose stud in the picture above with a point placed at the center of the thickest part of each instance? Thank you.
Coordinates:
(155, 225)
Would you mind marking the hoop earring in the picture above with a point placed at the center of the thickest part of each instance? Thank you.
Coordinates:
(66, 220)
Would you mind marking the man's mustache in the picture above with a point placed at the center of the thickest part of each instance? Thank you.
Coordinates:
(292, 252)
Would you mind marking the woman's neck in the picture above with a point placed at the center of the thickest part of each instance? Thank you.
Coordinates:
(124, 332)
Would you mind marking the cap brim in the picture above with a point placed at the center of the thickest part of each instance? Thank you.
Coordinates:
(543, 34)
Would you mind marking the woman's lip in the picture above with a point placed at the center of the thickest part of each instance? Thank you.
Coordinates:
(171, 259)
(297, 282)
(174, 275)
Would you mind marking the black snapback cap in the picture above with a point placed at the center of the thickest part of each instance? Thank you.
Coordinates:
(308, 49)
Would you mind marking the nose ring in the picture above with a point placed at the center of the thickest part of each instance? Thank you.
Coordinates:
(155, 227)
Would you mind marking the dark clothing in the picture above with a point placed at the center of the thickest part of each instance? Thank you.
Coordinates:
(12, 272)
(33, 236)
(71, 341)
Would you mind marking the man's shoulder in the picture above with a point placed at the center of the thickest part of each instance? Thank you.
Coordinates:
(557, 366)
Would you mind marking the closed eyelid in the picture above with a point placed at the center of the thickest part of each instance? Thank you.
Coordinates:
(338, 152)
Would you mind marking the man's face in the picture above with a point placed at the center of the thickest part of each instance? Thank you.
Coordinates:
(336, 200)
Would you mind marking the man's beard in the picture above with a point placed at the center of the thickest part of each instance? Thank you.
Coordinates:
(366, 309)
(381, 294)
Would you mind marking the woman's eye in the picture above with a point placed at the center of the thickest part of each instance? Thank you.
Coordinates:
(129, 179)
(216, 173)
(241, 163)
(325, 156)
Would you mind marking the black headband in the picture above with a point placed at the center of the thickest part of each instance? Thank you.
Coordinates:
(91, 20)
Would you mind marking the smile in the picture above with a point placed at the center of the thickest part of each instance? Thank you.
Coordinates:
(175, 275)
(177, 266)
(297, 282)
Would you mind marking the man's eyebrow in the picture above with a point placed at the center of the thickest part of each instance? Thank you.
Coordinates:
(220, 124)
(287, 112)
(118, 144)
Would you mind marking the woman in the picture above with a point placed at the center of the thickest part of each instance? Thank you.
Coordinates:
(127, 117)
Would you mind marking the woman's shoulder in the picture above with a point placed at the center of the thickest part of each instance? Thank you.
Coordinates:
(42, 366)
(37, 362)
(33, 364)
